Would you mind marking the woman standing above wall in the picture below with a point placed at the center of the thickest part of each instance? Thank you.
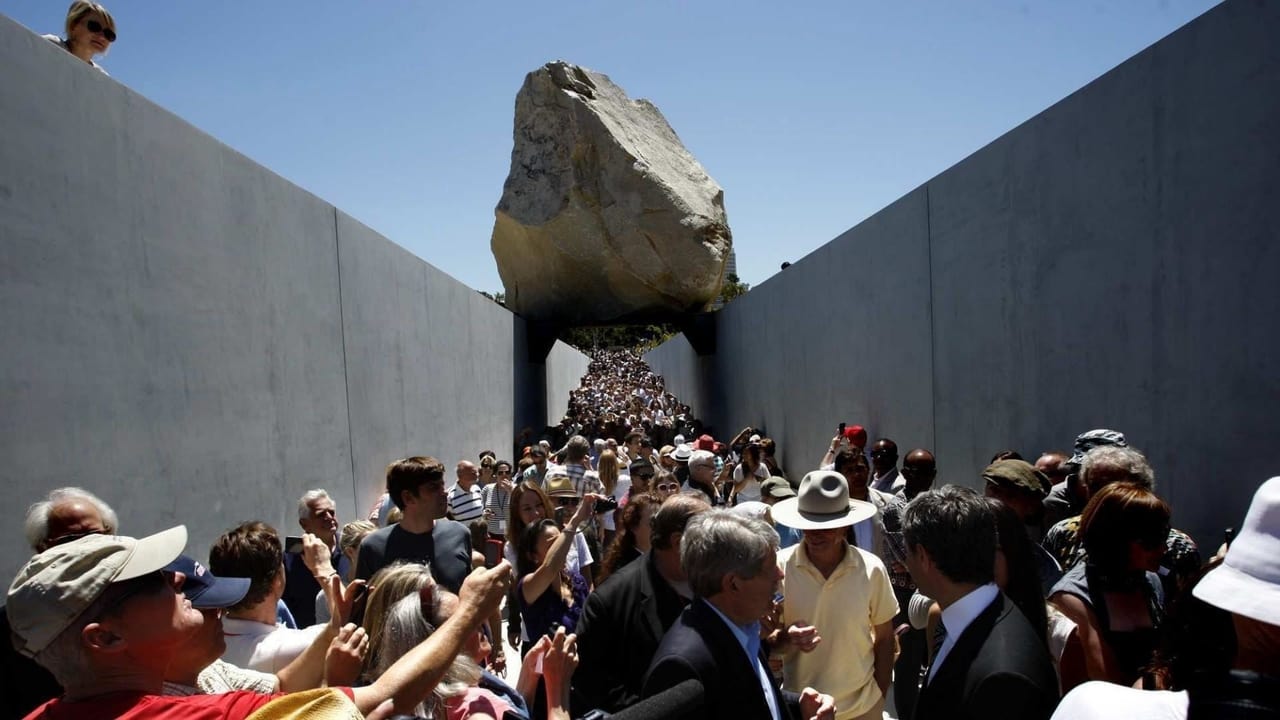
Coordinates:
(90, 30)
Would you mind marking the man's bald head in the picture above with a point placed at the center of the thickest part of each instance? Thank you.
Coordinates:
(919, 468)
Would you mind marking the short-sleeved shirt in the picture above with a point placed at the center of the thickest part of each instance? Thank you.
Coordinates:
(750, 491)
(466, 505)
(497, 501)
(262, 647)
(141, 706)
(844, 608)
(447, 549)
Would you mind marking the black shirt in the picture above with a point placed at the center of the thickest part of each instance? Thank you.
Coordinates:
(447, 549)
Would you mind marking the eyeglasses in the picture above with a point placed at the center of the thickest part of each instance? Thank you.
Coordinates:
(74, 536)
(96, 28)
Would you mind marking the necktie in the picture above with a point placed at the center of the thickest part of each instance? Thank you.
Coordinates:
(939, 637)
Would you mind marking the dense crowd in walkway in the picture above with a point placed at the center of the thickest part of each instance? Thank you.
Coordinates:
(643, 565)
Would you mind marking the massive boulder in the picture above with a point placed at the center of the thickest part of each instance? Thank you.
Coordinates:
(605, 217)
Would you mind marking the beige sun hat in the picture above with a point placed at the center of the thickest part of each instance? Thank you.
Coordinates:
(822, 503)
(58, 585)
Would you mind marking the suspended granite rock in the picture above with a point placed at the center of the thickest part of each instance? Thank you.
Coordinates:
(605, 216)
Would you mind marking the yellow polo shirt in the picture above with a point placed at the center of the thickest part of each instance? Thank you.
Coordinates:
(844, 608)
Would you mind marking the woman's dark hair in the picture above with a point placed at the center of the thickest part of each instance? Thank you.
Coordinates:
(1023, 586)
(1118, 514)
(528, 545)
(625, 543)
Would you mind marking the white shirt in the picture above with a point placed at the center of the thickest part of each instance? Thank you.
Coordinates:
(262, 647)
(960, 615)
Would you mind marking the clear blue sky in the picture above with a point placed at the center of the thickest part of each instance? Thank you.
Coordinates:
(811, 115)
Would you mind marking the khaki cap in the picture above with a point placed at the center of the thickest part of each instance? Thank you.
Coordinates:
(58, 585)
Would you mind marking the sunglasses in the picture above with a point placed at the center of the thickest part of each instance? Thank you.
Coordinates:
(97, 28)
(563, 501)
(504, 472)
(643, 476)
(149, 584)
(668, 487)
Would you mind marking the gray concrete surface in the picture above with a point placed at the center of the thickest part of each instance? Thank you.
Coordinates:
(198, 340)
(1110, 262)
(565, 368)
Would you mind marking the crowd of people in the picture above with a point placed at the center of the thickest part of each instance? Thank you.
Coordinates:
(638, 563)
(643, 566)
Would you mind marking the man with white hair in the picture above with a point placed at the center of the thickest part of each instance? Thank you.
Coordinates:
(317, 515)
(702, 475)
(731, 564)
(66, 512)
(106, 619)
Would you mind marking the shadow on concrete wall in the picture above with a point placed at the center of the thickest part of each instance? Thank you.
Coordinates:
(1109, 263)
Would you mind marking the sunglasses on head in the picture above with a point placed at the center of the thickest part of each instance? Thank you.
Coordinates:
(96, 28)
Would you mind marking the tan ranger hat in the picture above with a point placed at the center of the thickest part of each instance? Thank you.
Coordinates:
(58, 585)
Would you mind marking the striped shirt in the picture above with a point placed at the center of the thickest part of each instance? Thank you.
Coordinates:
(497, 501)
(466, 505)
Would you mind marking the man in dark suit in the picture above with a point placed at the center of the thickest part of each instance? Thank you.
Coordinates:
(626, 617)
(731, 563)
(989, 663)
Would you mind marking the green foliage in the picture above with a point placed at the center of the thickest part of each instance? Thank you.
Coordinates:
(638, 337)
(732, 288)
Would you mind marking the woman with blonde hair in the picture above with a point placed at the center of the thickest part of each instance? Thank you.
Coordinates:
(90, 31)
(616, 486)
(389, 585)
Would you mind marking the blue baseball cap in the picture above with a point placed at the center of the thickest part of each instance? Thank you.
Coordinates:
(205, 590)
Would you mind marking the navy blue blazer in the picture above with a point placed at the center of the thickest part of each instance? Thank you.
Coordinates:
(699, 646)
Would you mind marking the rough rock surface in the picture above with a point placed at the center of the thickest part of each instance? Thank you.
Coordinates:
(605, 216)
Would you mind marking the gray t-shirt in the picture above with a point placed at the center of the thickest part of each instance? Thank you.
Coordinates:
(447, 549)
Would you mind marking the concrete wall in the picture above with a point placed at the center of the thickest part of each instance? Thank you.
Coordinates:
(565, 368)
(199, 341)
(1110, 262)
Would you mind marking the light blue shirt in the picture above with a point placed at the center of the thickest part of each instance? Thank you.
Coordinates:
(960, 615)
(748, 637)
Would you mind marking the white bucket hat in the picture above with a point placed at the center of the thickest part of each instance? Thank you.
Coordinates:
(822, 503)
(1248, 580)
